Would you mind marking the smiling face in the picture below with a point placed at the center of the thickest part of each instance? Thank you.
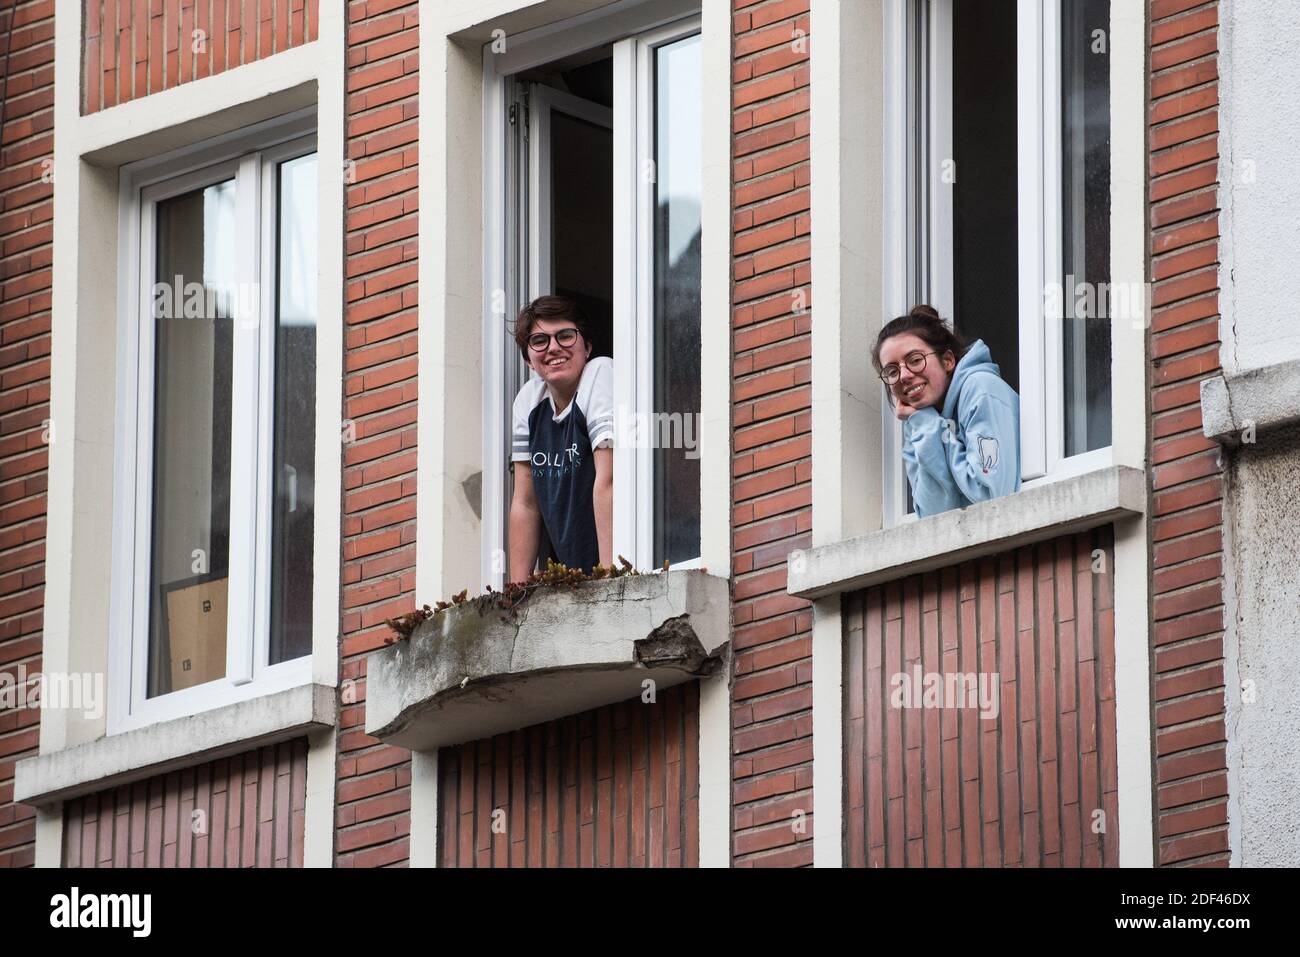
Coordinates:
(917, 389)
(559, 366)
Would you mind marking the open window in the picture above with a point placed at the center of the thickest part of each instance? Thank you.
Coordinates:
(998, 208)
(593, 177)
(214, 528)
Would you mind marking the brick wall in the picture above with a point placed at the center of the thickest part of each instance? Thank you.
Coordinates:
(243, 811)
(1186, 473)
(380, 404)
(135, 47)
(26, 232)
(951, 787)
(617, 786)
(772, 440)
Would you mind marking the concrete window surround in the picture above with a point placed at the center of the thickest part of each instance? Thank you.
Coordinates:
(1035, 514)
(84, 376)
(854, 135)
(467, 674)
(1261, 399)
(452, 356)
(183, 742)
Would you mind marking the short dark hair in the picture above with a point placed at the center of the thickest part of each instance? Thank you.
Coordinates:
(549, 308)
(923, 322)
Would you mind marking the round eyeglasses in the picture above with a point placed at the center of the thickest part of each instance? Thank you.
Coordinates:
(541, 341)
(914, 361)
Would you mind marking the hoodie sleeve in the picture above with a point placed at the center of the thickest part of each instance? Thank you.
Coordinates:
(926, 461)
(983, 452)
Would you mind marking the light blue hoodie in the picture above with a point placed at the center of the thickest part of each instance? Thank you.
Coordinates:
(970, 453)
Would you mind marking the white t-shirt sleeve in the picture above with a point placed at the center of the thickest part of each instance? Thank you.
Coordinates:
(523, 407)
(598, 403)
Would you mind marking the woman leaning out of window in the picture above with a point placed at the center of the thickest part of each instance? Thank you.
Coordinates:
(961, 421)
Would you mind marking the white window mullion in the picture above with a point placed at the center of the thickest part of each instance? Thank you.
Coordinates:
(1030, 214)
(143, 328)
(627, 297)
(1053, 231)
(247, 329)
(646, 188)
(940, 162)
(263, 439)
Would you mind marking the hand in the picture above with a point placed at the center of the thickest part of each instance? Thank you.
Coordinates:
(903, 410)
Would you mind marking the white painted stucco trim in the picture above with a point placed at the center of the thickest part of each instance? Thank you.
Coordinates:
(83, 367)
(1129, 395)
(847, 159)
(450, 364)
(167, 745)
(959, 535)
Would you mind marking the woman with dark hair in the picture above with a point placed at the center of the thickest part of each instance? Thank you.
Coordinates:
(961, 421)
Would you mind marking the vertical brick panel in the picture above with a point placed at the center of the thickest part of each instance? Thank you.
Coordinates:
(153, 823)
(946, 786)
(534, 785)
(26, 232)
(382, 207)
(132, 48)
(1186, 473)
(771, 433)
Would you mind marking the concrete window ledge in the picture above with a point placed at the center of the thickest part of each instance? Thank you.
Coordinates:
(119, 759)
(465, 674)
(1259, 400)
(1032, 515)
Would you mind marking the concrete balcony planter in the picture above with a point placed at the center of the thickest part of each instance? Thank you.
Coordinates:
(465, 674)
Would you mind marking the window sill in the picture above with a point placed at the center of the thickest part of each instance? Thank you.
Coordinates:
(119, 759)
(1031, 515)
(463, 675)
(1261, 400)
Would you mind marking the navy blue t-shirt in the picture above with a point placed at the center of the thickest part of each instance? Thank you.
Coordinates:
(560, 451)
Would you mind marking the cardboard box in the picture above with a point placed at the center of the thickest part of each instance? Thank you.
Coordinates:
(196, 633)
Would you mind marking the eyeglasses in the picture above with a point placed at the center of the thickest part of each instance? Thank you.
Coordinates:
(541, 341)
(915, 363)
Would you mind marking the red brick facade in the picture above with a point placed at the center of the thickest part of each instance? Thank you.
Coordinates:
(136, 47)
(614, 787)
(26, 253)
(243, 811)
(1018, 788)
(771, 433)
(380, 405)
(1186, 472)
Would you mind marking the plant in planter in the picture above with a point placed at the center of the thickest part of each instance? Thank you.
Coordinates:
(512, 594)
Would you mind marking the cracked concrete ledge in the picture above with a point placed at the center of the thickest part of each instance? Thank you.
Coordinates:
(118, 759)
(1261, 400)
(464, 675)
(1035, 514)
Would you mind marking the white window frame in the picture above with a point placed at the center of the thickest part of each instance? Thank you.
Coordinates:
(251, 157)
(634, 30)
(930, 202)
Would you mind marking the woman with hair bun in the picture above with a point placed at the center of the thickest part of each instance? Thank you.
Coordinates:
(961, 421)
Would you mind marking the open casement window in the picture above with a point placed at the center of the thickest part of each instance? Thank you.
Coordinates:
(594, 177)
(215, 524)
(998, 208)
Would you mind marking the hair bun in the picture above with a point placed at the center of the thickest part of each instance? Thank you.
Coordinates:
(924, 311)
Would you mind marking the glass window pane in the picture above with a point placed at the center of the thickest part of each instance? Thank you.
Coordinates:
(677, 301)
(985, 208)
(195, 257)
(295, 411)
(1085, 187)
